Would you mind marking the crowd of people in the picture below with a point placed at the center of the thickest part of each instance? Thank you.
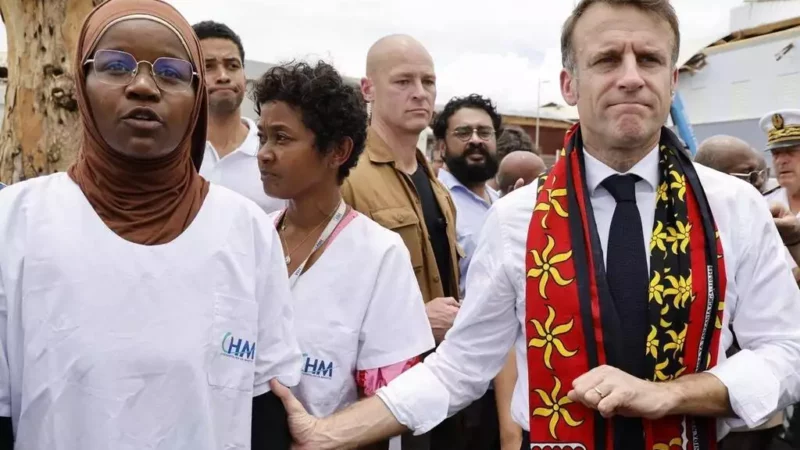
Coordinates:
(310, 280)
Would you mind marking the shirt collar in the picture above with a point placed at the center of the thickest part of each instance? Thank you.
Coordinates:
(448, 180)
(451, 182)
(597, 171)
(250, 145)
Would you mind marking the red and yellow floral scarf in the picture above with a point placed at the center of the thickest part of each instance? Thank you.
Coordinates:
(568, 331)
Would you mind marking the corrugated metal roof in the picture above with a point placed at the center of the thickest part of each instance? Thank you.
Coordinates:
(747, 21)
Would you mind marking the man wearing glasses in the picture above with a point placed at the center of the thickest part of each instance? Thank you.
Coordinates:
(465, 134)
(735, 157)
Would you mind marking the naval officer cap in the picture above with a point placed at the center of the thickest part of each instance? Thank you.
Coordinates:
(782, 128)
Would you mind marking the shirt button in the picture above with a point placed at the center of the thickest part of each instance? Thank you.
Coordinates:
(436, 279)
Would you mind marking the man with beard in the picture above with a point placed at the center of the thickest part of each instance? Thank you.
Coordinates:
(465, 134)
(230, 157)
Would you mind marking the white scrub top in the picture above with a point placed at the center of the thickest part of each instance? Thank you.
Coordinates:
(108, 344)
(358, 307)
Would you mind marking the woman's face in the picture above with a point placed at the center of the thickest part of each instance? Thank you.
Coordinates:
(289, 161)
(140, 119)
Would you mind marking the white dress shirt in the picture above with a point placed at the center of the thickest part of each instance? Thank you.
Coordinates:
(471, 211)
(762, 305)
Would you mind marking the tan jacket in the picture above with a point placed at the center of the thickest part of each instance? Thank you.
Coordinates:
(378, 190)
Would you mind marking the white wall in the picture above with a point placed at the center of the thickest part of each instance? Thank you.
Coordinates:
(743, 81)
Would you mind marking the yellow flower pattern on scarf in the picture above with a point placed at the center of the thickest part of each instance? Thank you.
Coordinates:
(546, 267)
(548, 337)
(554, 408)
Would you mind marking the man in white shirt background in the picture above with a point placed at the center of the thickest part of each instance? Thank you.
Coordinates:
(230, 156)
(619, 69)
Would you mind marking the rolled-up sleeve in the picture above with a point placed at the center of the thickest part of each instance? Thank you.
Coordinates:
(278, 354)
(473, 351)
(764, 377)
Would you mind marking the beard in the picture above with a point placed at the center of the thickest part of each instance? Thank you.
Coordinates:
(469, 173)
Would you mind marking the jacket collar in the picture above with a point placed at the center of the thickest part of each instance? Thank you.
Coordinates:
(377, 149)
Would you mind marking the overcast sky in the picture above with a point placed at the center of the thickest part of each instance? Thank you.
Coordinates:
(493, 47)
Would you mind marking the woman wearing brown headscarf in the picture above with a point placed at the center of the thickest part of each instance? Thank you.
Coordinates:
(139, 306)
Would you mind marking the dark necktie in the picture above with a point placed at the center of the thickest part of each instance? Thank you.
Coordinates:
(628, 280)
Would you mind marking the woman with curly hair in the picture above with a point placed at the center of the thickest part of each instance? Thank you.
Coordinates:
(359, 313)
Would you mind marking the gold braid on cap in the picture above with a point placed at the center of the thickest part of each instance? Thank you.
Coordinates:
(791, 133)
(781, 133)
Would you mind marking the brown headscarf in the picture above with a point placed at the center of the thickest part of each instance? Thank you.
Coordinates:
(144, 201)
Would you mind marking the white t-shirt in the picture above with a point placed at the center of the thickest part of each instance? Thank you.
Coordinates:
(238, 170)
(358, 307)
(107, 344)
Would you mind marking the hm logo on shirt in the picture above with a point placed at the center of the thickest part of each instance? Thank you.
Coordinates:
(238, 348)
(317, 367)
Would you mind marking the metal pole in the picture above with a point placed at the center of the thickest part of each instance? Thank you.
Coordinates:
(538, 110)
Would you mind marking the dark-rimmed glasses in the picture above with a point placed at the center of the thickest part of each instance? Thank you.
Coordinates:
(120, 69)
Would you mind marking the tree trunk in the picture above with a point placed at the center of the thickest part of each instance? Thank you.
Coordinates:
(40, 133)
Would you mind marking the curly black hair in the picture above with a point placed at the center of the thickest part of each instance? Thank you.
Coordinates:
(471, 101)
(328, 106)
(514, 139)
(208, 29)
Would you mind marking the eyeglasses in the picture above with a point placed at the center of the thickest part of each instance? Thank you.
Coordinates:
(120, 69)
(465, 133)
(753, 177)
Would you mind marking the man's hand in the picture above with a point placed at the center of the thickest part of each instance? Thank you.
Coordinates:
(363, 423)
(302, 425)
(613, 392)
(787, 223)
(441, 314)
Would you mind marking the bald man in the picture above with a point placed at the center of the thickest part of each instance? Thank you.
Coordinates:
(517, 166)
(394, 185)
(733, 156)
(737, 158)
